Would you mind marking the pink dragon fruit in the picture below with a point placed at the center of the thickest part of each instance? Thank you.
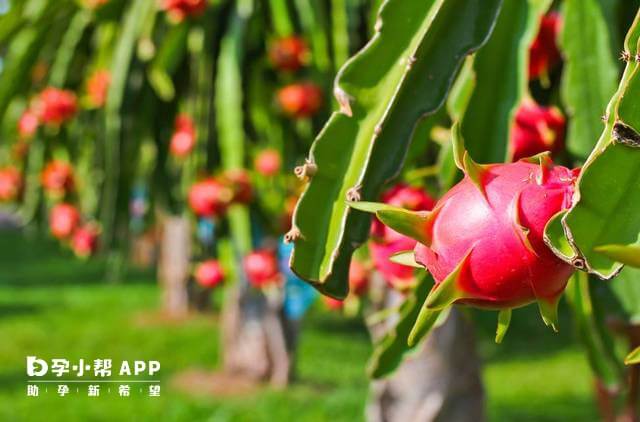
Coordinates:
(544, 53)
(536, 129)
(209, 273)
(386, 242)
(261, 268)
(358, 278)
(209, 197)
(85, 240)
(183, 139)
(483, 242)
(63, 220)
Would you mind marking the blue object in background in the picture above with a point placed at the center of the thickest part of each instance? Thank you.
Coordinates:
(206, 231)
(298, 295)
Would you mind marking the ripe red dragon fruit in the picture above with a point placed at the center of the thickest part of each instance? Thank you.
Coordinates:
(386, 242)
(179, 10)
(300, 99)
(63, 220)
(268, 162)
(183, 139)
(209, 273)
(261, 268)
(483, 242)
(10, 183)
(56, 106)
(537, 129)
(358, 278)
(209, 197)
(239, 182)
(289, 53)
(57, 177)
(98, 87)
(84, 241)
(28, 124)
(543, 52)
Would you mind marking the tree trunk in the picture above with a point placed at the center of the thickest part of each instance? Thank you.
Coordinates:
(175, 255)
(254, 337)
(440, 382)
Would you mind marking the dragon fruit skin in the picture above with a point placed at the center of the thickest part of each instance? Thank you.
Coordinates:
(488, 247)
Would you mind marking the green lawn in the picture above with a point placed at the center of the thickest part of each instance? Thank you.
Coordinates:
(54, 306)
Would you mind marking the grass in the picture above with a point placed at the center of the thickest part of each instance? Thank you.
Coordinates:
(54, 306)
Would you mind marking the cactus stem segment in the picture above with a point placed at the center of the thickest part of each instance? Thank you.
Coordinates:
(504, 319)
(448, 291)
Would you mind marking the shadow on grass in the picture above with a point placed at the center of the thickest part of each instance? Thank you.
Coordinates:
(566, 408)
(36, 261)
(16, 309)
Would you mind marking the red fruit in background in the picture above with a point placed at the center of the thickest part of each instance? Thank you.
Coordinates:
(333, 304)
(209, 273)
(239, 181)
(56, 106)
(179, 10)
(358, 278)
(487, 250)
(98, 87)
(261, 268)
(268, 162)
(386, 242)
(543, 52)
(537, 129)
(300, 100)
(63, 220)
(209, 198)
(289, 53)
(57, 177)
(85, 240)
(184, 137)
(28, 124)
(94, 4)
(10, 183)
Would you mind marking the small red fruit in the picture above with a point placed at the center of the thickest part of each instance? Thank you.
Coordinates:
(537, 129)
(98, 87)
(268, 162)
(184, 137)
(179, 10)
(358, 278)
(300, 100)
(63, 220)
(209, 198)
(28, 124)
(85, 240)
(239, 181)
(261, 268)
(209, 273)
(333, 304)
(544, 53)
(57, 177)
(10, 183)
(289, 53)
(56, 106)
(386, 242)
